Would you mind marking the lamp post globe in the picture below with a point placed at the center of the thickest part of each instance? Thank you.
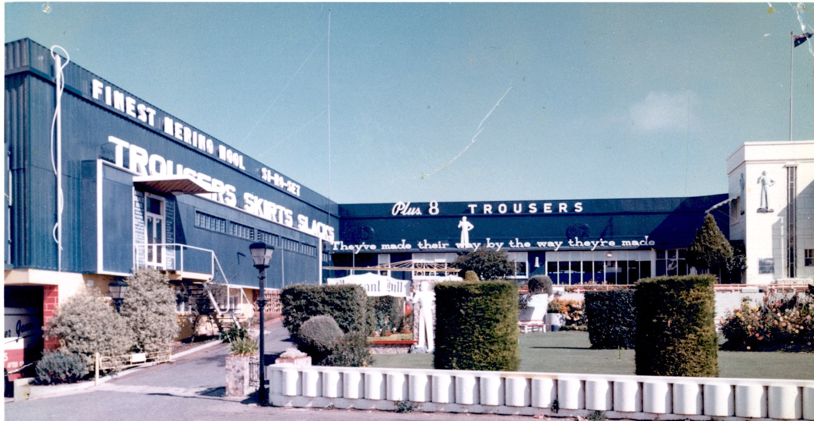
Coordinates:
(117, 290)
(261, 257)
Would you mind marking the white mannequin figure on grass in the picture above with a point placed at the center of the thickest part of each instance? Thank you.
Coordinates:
(424, 303)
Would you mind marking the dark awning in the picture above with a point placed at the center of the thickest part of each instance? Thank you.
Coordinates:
(178, 184)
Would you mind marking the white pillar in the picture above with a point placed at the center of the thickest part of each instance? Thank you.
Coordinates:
(419, 387)
(518, 391)
(291, 382)
(808, 402)
(570, 393)
(750, 401)
(374, 385)
(311, 384)
(466, 389)
(598, 396)
(719, 400)
(784, 402)
(396, 387)
(442, 388)
(543, 392)
(332, 384)
(687, 398)
(353, 385)
(656, 397)
(627, 396)
(491, 390)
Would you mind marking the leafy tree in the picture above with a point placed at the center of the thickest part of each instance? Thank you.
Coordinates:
(86, 324)
(149, 310)
(487, 264)
(710, 249)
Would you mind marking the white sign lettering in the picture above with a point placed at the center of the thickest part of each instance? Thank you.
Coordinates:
(144, 163)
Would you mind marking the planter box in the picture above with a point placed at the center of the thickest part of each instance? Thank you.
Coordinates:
(391, 347)
(555, 319)
(238, 375)
(295, 361)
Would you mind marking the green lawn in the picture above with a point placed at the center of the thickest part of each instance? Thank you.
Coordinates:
(569, 352)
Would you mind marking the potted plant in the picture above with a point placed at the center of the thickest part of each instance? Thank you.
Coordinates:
(242, 351)
(556, 314)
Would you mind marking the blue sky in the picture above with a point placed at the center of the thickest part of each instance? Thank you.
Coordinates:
(458, 102)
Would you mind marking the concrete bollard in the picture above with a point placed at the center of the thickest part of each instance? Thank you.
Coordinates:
(374, 386)
(627, 396)
(443, 390)
(466, 389)
(332, 384)
(570, 393)
(311, 383)
(353, 385)
(491, 390)
(543, 392)
(518, 392)
(419, 387)
(687, 398)
(598, 395)
(719, 400)
(396, 387)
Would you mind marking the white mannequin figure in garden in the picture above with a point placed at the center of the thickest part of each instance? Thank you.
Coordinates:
(424, 304)
(540, 291)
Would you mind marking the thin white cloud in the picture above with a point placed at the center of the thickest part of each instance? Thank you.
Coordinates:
(661, 111)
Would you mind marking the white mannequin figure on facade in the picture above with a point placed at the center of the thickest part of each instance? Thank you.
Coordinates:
(424, 304)
(465, 227)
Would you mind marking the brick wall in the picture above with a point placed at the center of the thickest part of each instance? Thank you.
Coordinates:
(50, 294)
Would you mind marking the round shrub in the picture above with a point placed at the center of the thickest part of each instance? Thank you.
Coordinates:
(350, 350)
(59, 368)
(471, 276)
(149, 309)
(317, 336)
(87, 324)
(476, 326)
(675, 326)
(540, 284)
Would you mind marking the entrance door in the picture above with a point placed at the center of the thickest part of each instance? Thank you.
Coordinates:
(155, 231)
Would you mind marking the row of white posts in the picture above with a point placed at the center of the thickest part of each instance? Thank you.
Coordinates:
(633, 397)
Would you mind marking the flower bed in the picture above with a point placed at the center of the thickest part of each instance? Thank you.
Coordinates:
(780, 323)
(399, 343)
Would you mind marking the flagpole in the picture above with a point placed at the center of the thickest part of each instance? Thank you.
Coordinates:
(791, 85)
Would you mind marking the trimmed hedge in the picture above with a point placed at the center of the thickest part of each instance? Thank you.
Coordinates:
(476, 326)
(675, 326)
(611, 319)
(345, 303)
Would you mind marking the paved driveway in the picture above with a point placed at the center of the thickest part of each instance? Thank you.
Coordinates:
(191, 388)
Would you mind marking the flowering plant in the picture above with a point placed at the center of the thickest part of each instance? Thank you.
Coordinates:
(781, 322)
(573, 310)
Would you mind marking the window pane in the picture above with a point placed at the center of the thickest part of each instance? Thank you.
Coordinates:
(599, 272)
(552, 272)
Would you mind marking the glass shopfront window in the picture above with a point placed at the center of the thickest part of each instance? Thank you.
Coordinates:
(599, 267)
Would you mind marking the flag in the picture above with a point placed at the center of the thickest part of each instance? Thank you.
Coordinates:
(800, 39)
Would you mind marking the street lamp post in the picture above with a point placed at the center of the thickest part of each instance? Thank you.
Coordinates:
(261, 255)
(117, 290)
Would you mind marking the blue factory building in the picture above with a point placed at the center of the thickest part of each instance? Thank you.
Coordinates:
(100, 183)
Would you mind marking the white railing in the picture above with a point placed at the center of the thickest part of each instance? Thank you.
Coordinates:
(173, 258)
(637, 397)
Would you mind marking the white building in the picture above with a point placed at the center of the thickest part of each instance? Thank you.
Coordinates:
(771, 193)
